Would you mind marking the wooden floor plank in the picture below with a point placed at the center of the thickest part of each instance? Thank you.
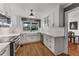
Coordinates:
(35, 49)
(73, 49)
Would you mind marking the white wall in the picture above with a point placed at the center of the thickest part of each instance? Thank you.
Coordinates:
(73, 15)
(73, 20)
(67, 18)
(61, 16)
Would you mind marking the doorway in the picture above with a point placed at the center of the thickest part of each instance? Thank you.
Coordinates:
(72, 29)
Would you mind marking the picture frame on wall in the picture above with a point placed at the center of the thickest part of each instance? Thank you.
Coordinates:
(74, 25)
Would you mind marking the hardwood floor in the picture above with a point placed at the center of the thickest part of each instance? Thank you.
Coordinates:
(34, 49)
(38, 49)
(73, 49)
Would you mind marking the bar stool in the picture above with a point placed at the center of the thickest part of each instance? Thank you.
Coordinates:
(78, 40)
(71, 36)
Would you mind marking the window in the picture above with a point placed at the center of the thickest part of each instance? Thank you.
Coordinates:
(34, 26)
(26, 26)
(4, 21)
(30, 24)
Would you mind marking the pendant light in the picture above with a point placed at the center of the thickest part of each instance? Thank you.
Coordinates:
(31, 14)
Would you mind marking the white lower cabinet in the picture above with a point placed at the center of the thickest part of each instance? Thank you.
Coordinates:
(54, 44)
(27, 38)
(49, 42)
(6, 51)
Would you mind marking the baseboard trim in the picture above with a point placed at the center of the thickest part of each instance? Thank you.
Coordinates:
(48, 48)
(63, 54)
(30, 43)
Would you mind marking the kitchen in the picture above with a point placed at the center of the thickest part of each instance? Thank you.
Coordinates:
(18, 28)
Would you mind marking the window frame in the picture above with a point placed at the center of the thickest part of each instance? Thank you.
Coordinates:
(30, 21)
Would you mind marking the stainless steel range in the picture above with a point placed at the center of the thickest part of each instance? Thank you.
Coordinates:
(14, 45)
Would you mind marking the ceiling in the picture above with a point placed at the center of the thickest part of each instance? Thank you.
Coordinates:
(39, 9)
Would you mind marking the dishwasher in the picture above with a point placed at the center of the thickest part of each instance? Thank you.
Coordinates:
(14, 45)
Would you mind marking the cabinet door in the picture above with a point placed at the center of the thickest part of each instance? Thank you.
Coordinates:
(59, 44)
(28, 38)
(49, 42)
(23, 39)
(51, 20)
(44, 39)
(31, 37)
(6, 51)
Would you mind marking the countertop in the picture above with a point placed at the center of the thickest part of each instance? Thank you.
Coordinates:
(16, 34)
(9, 35)
(54, 32)
(3, 45)
(55, 36)
(30, 33)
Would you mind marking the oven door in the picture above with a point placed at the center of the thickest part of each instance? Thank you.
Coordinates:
(17, 44)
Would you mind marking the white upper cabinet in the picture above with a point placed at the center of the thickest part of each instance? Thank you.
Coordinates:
(52, 24)
(4, 17)
(54, 18)
(51, 20)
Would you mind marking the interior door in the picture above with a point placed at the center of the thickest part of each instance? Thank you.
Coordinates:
(67, 14)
